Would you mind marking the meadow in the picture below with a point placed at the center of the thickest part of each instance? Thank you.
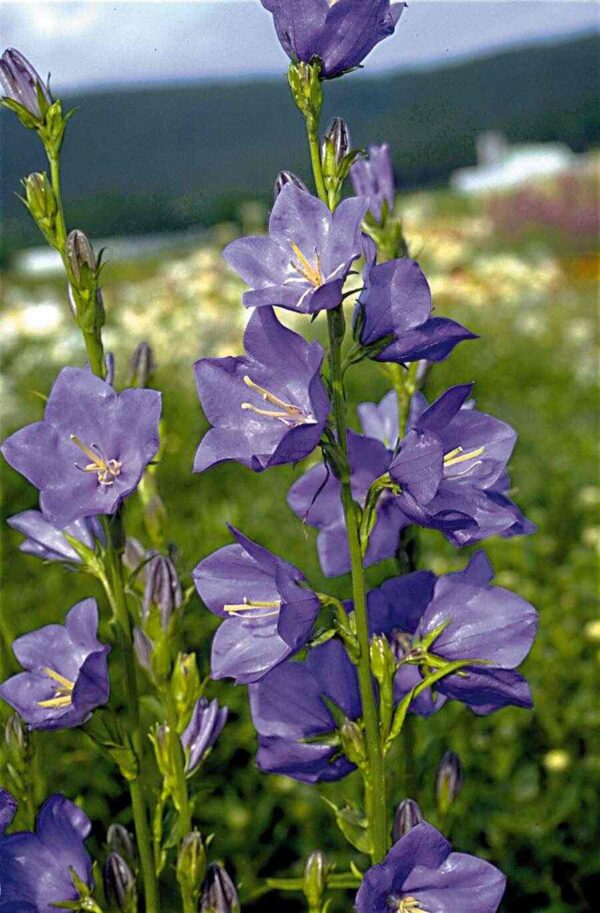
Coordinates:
(522, 273)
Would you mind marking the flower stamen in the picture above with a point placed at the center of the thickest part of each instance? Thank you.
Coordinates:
(63, 693)
(107, 470)
(289, 414)
(237, 609)
(457, 456)
(311, 273)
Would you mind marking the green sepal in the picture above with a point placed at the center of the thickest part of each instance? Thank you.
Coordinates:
(354, 826)
(29, 120)
(106, 732)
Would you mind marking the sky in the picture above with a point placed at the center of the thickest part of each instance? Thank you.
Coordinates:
(87, 43)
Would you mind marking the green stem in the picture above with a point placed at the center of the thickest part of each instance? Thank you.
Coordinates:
(177, 754)
(91, 338)
(374, 777)
(118, 602)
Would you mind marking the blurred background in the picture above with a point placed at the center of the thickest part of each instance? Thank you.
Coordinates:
(184, 119)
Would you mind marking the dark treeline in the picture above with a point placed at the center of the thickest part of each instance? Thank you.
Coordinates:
(166, 158)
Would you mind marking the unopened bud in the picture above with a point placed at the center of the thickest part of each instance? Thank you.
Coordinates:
(22, 84)
(143, 648)
(336, 142)
(203, 730)
(353, 743)
(41, 201)
(163, 589)
(191, 867)
(81, 256)
(286, 177)
(120, 841)
(315, 879)
(408, 815)
(449, 781)
(185, 684)
(141, 365)
(218, 893)
(119, 885)
(383, 661)
(15, 736)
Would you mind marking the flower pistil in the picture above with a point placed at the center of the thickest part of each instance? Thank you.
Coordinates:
(312, 274)
(63, 691)
(107, 470)
(272, 607)
(289, 414)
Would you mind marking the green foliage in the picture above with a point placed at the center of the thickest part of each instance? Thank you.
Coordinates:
(531, 800)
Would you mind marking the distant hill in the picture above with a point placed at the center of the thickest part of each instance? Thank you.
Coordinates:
(162, 158)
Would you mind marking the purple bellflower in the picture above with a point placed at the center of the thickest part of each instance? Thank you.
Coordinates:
(46, 541)
(315, 498)
(34, 867)
(269, 612)
(21, 83)
(381, 420)
(396, 302)
(474, 620)
(341, 33)
(291, 706)
(451, 468)
(90, 451)
(422, 873)
(267, 407)
(203, 730)
(66, 673)
(373, 177)
(303, 263)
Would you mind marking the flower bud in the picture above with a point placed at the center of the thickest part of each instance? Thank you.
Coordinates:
(22, 85)
(81, 257)
(383, 661)
(408, 815)
(286, 177)
(353, 743)
(315, 879)
(143, 648)
(162, 589)
(142, 365)
(336, 142)
(191, 867)
(119, 885)
(41, 201)
(15, 736)
(218, 893)
(120, 841)
(203, 730)
(185, 684)
(448, 782)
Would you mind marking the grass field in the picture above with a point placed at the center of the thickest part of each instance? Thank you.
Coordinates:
(531, 800)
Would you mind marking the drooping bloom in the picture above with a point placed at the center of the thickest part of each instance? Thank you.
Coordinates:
(268, 609)
(341, 33)
(46, 541)
(476, 621)
(373, 177)
(66, 673)
(451, 468)
(34, 867)
(421, 874)
(290, 707)
(303, 263)
(91, 448)
(315, 498)
(396, 302)
(267, 407)
(203, 730)
(21, 83)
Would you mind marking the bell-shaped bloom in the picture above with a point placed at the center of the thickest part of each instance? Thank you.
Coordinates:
(340, 34)
(396, 302)
(21, 83)
(477, 621)
(291, 711)
(316, 498)
(451, 469)
(422, 873)
(203, 730)
(373, 177)
(267, 407)
(90, 451)
(269, 612)
(66, 671)
(35, 867)
(303, 263)
(44, 540)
